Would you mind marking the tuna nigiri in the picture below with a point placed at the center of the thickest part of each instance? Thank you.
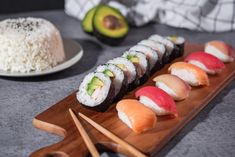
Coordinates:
(157, 100)
(135, 115)
(220, 50)
(190, 73)
(207, 62)
(173, 85)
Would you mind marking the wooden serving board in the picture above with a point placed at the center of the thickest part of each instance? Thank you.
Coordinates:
(57, 119)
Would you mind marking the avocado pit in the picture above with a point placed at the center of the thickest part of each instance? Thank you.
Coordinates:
(112, 22)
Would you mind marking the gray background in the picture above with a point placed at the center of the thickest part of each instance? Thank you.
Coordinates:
(211, 133)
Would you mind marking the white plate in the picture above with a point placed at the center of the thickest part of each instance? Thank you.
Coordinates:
(73, 52)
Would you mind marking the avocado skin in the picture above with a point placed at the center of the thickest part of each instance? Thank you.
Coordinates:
(108, 40)
(88, 15)
(104, 38)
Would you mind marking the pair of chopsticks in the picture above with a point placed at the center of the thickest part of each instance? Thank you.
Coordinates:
(104, 131)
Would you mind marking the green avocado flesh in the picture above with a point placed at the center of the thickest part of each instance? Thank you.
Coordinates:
(109, 22)
(173, 38)
(94, 84)
(133, 59)
(122, 66)
(87, 20)
(108, 73)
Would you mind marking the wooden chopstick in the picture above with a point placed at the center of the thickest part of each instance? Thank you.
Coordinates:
(84, 135)
(113, 137)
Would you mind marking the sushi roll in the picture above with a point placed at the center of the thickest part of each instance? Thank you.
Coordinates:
(178, 45)
(168, 45)
(157, 100)
(96, 91)
(207, 62)
(159, 48)
(118, 78)
(129, 70)
(141, 63)
(135, 115)
(190, 73)
(220, 50)
(151, 55)
(173, 85)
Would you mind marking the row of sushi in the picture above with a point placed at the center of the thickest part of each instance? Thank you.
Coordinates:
(110, 81)
(140, 115)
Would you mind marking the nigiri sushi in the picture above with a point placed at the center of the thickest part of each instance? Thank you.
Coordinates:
(135, 115)
(157, 100)
(220, 50)
(190, 73)
(207, 62)
(173, 85)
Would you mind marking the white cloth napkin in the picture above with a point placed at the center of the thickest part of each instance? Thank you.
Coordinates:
(200, 15)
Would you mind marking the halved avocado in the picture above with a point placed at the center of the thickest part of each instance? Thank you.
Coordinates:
(87, 21)
(109, 25)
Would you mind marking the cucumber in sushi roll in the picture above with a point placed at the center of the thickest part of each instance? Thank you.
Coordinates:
(118, 78)
(141, 63)
(129, 70)
(179, 44)
(150, 54)
(168, 45)
(96, 91)
(158, 47)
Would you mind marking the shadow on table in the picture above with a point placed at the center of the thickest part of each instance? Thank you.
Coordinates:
(199, 118)
(91, 52)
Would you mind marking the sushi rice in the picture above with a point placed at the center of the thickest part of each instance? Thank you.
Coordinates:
(99, 95)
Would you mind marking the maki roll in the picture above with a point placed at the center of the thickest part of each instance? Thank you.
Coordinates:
(135, 115)
(96, 91)
(157, 100)
(129, 70)
(118, 78)
(179, 45)
(141, 63)
(159, 48)
(190, 73)
(173, 85)
(168, 45)
(150, 54)
(220, 50)
(207, 62)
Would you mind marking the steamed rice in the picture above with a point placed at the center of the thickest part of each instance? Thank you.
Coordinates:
(29, 44)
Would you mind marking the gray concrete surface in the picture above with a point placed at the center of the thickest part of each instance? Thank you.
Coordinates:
(211, 133)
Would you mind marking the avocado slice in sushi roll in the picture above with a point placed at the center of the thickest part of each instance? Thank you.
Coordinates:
(129, 70)
(94, 84)
(119, 80)
(151, 55)
(179, 45)
(96, 91)
(141, 63)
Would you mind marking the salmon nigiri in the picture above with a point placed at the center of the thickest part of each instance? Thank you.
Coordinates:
(157, 100)
(220, 50)
(190, 73)
(173, 85)
(135, 115)
(207, 62)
